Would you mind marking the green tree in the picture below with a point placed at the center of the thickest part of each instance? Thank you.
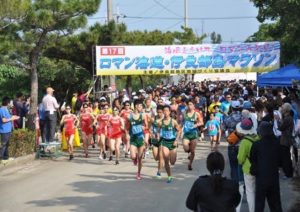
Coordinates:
(215, 38)
(13, 11)
(46, 18)
(284, 27)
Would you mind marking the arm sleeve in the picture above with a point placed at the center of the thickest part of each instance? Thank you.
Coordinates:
(192, 200)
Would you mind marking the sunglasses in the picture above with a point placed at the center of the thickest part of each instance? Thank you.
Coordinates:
(68, 108)
(127, 105)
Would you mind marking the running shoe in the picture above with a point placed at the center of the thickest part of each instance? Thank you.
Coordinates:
(138, 176)
(100, 157)
(110, 158)
(126, 155)
(117, 162)
(190, 167)
(71, 157)
(158, 175)
(104, 155)
(135, 161)
(170, 179)
(93, 146)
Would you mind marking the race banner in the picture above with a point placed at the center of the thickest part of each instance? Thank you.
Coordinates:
(187, 59)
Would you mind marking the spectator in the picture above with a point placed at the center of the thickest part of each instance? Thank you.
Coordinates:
(214, 192)
(264, 159)
(42, 120)
(286, 126)
(6, 126)
(19, 110)
(230, 123)
(246, 130)
(50, 105)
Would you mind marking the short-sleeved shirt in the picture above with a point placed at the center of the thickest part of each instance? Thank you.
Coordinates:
(50, 103)
(7, 126)
(219, 117)
(212, 127)
(225, 106)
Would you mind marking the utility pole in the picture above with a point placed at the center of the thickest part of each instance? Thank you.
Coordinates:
(112, 79)
(185, 13)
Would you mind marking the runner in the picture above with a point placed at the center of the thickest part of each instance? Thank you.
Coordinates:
(156, 145)
(69, 121)
(115, 127)
(213, 128)
(102, 120)
(86, 123)
(149, 112)
(137, 145)
(125, 113)
(190, 131)
(169, 134)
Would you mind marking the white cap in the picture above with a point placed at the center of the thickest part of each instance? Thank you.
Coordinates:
(135, 97)
(133, 93)
(142, 91)
(102, 98)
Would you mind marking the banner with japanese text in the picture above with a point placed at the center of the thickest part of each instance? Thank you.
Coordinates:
(187, 59)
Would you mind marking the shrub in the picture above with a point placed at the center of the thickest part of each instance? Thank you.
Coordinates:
(22, 142)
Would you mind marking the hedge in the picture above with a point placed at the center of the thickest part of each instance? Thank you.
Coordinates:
(22, 142)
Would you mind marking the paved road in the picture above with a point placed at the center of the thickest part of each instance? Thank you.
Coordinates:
(94, 185)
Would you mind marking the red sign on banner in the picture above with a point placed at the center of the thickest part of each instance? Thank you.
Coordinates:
(112, 51)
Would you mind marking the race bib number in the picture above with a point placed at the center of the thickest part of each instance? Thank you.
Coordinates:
(137, 129)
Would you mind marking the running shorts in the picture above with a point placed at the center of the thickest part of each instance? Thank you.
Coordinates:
(191, 136)
(168, 143)
(137, 141)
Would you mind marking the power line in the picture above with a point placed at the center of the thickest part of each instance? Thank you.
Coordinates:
(178, 18)
(166, 8)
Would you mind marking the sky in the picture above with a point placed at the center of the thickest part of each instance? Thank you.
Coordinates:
(206, 16)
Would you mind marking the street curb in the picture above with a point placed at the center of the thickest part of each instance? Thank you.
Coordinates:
(18, 161)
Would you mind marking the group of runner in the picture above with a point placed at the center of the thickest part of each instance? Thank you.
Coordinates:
(139, 129)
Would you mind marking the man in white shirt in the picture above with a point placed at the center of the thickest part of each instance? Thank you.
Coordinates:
(50, 105)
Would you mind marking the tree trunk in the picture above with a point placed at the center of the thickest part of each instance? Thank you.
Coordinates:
(129, 85)
(33, 61)
(142, 81)
(33, 97)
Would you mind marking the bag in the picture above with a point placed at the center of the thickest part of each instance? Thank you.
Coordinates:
(232, 138)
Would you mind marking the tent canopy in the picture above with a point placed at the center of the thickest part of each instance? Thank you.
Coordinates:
(279, 78)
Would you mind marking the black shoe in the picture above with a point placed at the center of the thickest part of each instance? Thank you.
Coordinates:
(190, 167)
(110, 158)
(114, 152)
(126, 155)
(117, 162)
(104, 155)
(93, 146)
(71, 157)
